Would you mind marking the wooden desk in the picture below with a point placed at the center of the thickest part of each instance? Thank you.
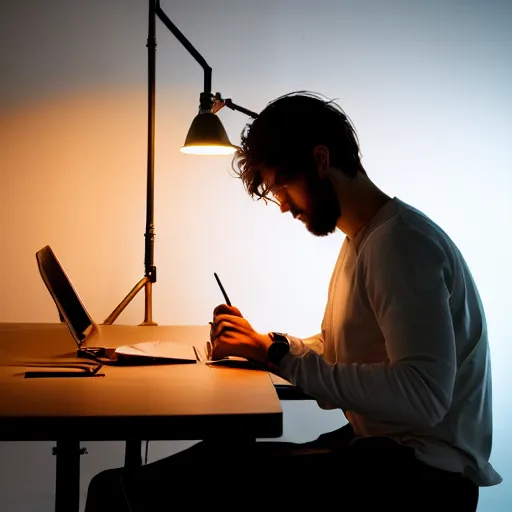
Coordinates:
(171, 402)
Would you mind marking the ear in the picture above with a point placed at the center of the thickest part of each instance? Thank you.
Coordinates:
(321, 156)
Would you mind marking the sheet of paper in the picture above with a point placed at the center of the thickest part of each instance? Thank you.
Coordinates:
(160, 349)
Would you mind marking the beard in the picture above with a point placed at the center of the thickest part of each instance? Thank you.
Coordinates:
(324, 208)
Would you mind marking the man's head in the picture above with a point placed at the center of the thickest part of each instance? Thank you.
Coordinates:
(288, 155)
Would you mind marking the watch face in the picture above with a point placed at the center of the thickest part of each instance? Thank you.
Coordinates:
(277, 351)
(279, 336)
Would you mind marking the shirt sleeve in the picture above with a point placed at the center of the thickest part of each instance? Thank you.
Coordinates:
(405, 279)
(315, 343)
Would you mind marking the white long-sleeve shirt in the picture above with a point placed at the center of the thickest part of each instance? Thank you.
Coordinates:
(404, 349)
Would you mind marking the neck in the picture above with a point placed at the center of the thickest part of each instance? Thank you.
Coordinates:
(360, 199)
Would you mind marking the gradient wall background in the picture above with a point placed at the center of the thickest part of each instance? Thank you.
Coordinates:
(426, 83)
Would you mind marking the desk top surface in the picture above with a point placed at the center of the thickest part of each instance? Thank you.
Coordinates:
(177, 401)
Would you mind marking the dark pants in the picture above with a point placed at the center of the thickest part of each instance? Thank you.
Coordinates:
(334, 470)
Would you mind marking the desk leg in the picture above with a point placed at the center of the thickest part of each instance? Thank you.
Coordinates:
(67, 485)
(133, 455)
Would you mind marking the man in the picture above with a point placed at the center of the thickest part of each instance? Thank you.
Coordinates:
(403, 349)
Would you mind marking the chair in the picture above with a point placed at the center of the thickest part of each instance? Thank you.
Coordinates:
(133, 450)
(465, 488)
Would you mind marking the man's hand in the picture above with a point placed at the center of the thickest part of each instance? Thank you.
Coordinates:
(232, 335)
(222, 309)
(225, 309)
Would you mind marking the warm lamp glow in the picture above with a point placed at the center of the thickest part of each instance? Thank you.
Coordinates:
(207, 136)
(208, 150)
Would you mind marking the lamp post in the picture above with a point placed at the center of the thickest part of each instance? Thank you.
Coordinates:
(206, 136)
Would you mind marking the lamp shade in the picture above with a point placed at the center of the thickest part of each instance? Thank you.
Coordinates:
(207, 136)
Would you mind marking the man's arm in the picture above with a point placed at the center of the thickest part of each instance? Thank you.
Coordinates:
(315, 343)
(408, 292)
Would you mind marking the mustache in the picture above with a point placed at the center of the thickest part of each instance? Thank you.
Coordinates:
(294, 209)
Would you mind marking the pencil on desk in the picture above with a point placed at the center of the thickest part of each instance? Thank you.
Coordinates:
(67, 373)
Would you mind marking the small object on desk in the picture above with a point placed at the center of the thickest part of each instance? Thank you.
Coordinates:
(53, 372)
(226, 298)
(237, 362)
(71, 363)
(208, 347)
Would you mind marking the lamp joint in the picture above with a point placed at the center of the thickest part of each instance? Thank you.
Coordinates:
(151, 43)
(151, 273)
(205, 102)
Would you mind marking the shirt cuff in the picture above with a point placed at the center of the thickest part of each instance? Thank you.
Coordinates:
(297, 346)
(290, 360)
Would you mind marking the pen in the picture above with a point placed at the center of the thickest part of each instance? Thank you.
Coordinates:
(46, 374)
(42, 375)
(226, 298)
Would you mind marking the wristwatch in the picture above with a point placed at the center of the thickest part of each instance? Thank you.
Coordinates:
(279, 348)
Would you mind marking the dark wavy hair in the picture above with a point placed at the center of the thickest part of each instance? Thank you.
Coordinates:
(283, 136)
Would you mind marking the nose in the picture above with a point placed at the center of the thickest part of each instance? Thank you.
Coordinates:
(281, 198)
(284, 207)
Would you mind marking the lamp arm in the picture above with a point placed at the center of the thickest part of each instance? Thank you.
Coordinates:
(188, 46)
(220, 102)
(233, 106)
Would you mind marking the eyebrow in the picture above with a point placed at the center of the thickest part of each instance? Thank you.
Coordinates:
(278, 180)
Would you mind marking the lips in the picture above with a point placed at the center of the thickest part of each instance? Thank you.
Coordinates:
(298, 214)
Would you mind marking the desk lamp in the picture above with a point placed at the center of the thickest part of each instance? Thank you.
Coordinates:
(206, 136)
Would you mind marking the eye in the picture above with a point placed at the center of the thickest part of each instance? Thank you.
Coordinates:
(278, 194)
